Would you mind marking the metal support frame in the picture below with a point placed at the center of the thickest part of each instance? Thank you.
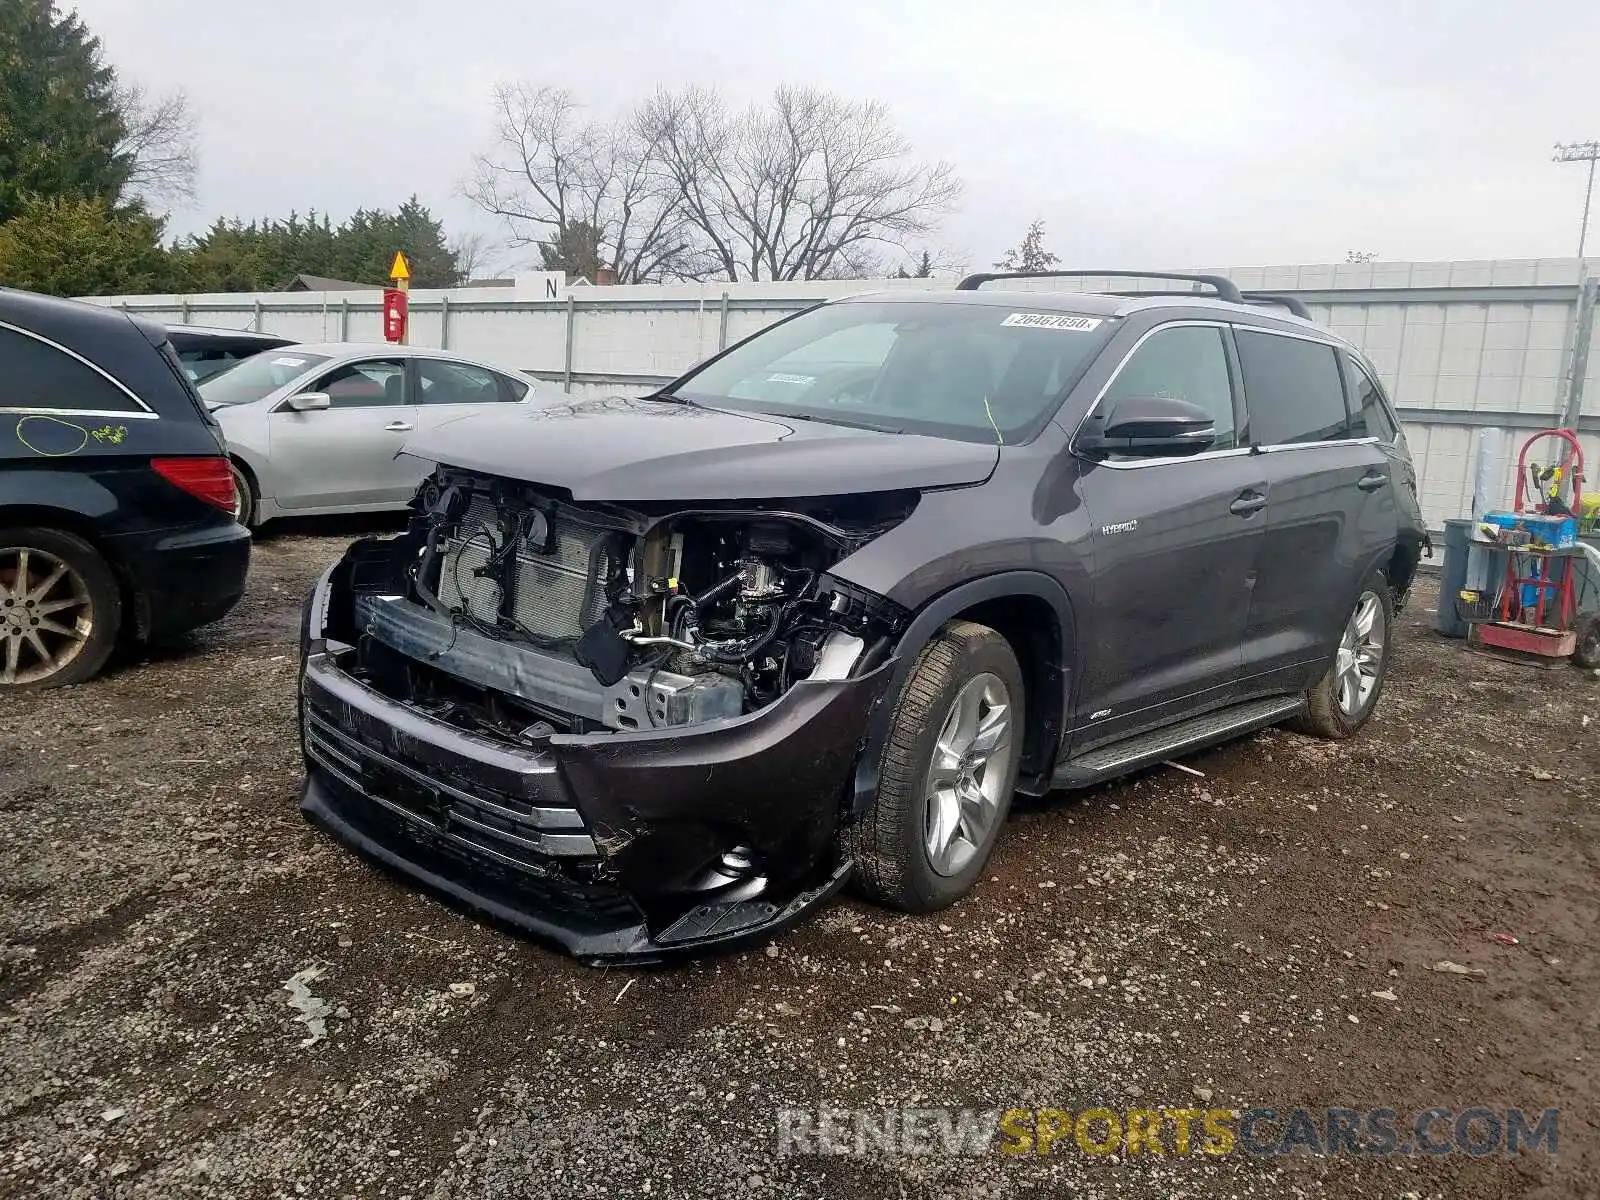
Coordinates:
(444, 322)
(1582, 335)
(722, 326)
(566, 370)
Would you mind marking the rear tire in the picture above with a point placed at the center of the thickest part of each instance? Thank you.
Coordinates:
(1344, 699)
(948, 769)
(1587, 652)
(60, 609)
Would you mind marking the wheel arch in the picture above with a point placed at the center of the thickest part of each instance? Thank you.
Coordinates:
(1033, 612)
(44, 516)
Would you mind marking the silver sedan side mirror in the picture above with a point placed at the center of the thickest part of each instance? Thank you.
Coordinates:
(310, 401)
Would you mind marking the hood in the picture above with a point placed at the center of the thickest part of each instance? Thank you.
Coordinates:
(623, 449)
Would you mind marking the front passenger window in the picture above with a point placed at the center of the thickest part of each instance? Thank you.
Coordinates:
(376, 383)
(1186, 362)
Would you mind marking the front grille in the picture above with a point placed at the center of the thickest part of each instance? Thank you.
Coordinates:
(556, 595)
(493, 824)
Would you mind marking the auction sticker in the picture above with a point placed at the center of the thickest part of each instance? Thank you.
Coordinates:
(1052, 321)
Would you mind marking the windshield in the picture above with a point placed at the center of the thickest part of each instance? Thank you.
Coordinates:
(257, 376)
(975, 372)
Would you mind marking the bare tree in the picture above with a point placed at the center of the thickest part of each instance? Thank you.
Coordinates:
(475, 254)
(554, 176)
(810, 186)
(160, 142)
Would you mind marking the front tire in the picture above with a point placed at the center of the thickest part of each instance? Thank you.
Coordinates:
(1344, 699)
(244, 494)
(60, 609)
(949, 766)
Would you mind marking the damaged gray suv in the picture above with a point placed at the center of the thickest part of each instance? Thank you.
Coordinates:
(652, 675)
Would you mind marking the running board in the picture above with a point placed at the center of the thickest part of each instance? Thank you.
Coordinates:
(1107, 762)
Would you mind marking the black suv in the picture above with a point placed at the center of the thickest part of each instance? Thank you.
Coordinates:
(116, 499)
(651, 675)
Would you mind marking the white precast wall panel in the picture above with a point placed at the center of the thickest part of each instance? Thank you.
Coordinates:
(1460, 345)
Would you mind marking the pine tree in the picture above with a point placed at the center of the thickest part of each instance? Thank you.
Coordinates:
(1031, 254)
(72, 246)
(59, 121)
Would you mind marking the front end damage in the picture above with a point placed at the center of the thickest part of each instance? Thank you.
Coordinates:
(629, 729)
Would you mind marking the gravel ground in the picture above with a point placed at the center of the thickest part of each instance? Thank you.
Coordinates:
(1261, 936)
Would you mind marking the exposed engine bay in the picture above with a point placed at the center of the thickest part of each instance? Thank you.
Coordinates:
(511, 611)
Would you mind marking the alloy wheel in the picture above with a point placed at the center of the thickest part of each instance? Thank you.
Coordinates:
(46, 615)
(1359, 662)
(971, 765)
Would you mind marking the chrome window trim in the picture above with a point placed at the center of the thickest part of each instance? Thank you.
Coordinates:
(1132, 464)
(100, 371)
(1279, 447)
(1232, 326)
(121, 414)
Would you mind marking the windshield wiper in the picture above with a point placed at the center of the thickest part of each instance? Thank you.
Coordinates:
(667, 397)
(821, 419)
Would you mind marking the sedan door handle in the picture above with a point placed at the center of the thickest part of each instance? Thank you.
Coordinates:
(1371, 483)
(1248, 504)
(399, 427)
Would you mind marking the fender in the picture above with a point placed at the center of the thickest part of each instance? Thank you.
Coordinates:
(922, 630)
(260, 470)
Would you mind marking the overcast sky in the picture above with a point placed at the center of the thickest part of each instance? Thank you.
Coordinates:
(1143, 134)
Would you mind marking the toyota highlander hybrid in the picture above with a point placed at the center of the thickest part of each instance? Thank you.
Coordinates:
(651, 675)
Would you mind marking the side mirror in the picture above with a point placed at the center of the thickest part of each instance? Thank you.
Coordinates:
(1149, 427)
(310, 401)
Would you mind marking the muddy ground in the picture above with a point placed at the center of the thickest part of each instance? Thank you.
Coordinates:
(1137, 946)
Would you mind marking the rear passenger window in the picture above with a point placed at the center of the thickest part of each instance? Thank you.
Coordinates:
(1186, 362)
(1369, 417)
(35, 374)
(1292, 390)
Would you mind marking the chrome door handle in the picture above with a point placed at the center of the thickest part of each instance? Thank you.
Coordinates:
(1248, 504)
(1371, 483)
(399, 427)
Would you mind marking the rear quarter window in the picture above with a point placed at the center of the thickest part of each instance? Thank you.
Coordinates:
(1369, 412)
(37, 375)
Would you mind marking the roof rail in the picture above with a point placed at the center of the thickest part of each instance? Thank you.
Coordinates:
(1277, 300)
(1225, 288)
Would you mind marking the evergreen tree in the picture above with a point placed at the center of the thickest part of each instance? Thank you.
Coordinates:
(59, 121)
(575, 249)
(1031, 255)
(266, 255)
(72, 246)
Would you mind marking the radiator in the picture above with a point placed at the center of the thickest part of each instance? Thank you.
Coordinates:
(549, 590)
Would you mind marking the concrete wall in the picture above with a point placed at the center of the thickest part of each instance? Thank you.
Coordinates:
(1460, 345)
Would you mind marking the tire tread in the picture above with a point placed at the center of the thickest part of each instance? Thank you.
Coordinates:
(880, 863)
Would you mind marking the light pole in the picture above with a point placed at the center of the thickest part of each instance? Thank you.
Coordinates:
(1581, 152)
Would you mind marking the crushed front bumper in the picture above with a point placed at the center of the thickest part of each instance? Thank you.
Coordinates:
(631, 846)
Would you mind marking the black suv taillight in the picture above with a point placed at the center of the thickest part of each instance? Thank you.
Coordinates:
(208, 479)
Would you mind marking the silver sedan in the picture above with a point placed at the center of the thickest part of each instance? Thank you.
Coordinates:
(317, 428)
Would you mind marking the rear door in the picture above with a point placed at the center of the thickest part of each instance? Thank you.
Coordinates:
(447, 389)
(346, 454)
(1175, 549)
(1332, 511)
